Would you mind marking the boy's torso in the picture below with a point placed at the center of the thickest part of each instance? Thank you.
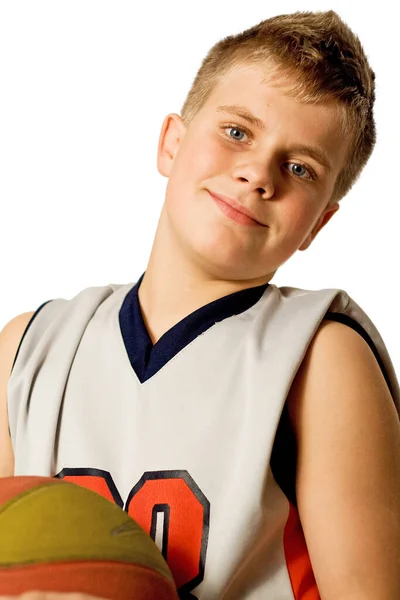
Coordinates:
(180, 435)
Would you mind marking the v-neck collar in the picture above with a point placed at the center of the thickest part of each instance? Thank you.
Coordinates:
(147, 359)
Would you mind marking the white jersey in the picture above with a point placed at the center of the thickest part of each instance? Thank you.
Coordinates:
(188, 435)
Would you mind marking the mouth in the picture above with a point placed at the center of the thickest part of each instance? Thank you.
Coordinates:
(234, 211)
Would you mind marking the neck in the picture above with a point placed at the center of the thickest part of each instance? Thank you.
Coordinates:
(173, 286)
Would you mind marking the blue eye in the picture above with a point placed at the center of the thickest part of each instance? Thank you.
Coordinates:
(299, 166)
(238, 132)
(311, 174)
(236, 129)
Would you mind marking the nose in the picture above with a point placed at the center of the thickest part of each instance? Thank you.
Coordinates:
(256, 176)
(266, 191)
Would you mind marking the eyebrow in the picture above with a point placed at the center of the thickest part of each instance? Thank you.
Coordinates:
(315, 153)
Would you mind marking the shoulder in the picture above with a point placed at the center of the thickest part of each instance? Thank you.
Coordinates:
(10, 338)
(337, 353)
(339, 384)
(348, 463)
(14, 326)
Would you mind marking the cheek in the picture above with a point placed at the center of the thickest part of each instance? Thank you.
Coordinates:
(298, 219)
(294, 214)
(194, 168)
(201, 157)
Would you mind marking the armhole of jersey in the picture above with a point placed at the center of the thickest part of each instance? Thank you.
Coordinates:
(284, 457)
(284, 451)
(26, 329)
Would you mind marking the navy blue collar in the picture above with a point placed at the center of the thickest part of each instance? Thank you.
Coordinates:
(147, 359)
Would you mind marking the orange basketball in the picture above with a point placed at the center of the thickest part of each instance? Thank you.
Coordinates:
(58, 536)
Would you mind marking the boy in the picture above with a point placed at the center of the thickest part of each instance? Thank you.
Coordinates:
(252, 430)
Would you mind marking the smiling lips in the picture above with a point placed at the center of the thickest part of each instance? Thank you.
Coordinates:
(235, 211)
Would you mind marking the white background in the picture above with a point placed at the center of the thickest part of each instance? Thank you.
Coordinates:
(84, 88)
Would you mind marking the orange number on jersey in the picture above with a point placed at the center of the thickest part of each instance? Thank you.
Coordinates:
(185, 511)
(169, 497)
(96, 480)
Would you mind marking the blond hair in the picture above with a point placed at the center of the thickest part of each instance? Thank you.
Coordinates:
(323, 61)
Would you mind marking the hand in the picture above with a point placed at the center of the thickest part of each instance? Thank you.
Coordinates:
(51, 596)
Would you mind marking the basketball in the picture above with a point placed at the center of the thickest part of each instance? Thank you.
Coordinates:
(58, 536)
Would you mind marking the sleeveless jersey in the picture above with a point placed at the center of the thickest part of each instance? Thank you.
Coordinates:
(190, 436)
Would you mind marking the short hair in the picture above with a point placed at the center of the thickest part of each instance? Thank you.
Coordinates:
(322, 60)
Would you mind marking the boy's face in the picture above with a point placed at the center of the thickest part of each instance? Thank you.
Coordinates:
(258, 168)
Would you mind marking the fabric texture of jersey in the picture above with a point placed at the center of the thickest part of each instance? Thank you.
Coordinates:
(182, 434)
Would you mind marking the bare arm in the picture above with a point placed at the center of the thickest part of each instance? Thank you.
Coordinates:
(10, 338)
(348, 471)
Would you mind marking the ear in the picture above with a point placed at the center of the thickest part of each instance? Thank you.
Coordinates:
(171, 135)
(322, 221)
